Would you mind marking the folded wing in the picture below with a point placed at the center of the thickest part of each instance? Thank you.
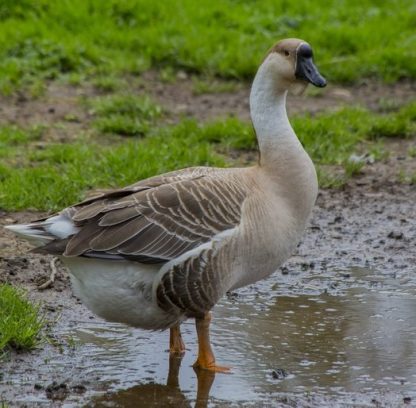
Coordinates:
(156, 220)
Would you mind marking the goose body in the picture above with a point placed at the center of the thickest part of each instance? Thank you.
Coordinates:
(168, 248)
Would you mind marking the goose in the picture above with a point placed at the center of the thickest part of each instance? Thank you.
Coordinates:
(167, 248)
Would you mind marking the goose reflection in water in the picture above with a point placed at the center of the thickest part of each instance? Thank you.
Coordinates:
(160, 395)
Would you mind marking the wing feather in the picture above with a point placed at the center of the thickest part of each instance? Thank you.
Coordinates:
(114, 236)
(116, 217)
(80, 242)
(158, 219)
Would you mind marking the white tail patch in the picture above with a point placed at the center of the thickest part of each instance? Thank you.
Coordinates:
(60, 226)
(40, 233)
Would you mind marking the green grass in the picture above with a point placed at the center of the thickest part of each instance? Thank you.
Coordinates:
(44, 40)
(407, 178)
(211, 86)
(20, 320)
(412, 151)
(12, 135)
(107, 83)
(60, 174)
(126, 115)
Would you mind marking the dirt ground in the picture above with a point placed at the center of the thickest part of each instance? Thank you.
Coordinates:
(63, 103)
(361, 226)
(370, 224)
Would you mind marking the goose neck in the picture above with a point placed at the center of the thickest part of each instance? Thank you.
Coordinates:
(275, 135)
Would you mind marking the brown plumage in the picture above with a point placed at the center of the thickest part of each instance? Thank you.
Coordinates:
(168, 247)
(160, 219)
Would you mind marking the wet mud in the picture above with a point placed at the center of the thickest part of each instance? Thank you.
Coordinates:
(334, 327)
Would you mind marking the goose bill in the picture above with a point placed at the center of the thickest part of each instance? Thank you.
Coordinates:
(306, 70)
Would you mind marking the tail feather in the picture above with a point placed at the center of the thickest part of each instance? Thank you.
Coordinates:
(39, 233)
(34, 233)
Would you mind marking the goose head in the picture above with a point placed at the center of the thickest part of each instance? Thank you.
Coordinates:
(290, 61)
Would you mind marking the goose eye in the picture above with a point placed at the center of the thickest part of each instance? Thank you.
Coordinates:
(287, 53)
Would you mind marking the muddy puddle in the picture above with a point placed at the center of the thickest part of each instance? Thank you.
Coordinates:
(355, 346)
(336, 327)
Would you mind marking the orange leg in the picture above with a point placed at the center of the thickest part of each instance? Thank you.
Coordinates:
(176, 344)
(206, 359)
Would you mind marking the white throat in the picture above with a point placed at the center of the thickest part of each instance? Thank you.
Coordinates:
(282, 156)
(275, 135)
